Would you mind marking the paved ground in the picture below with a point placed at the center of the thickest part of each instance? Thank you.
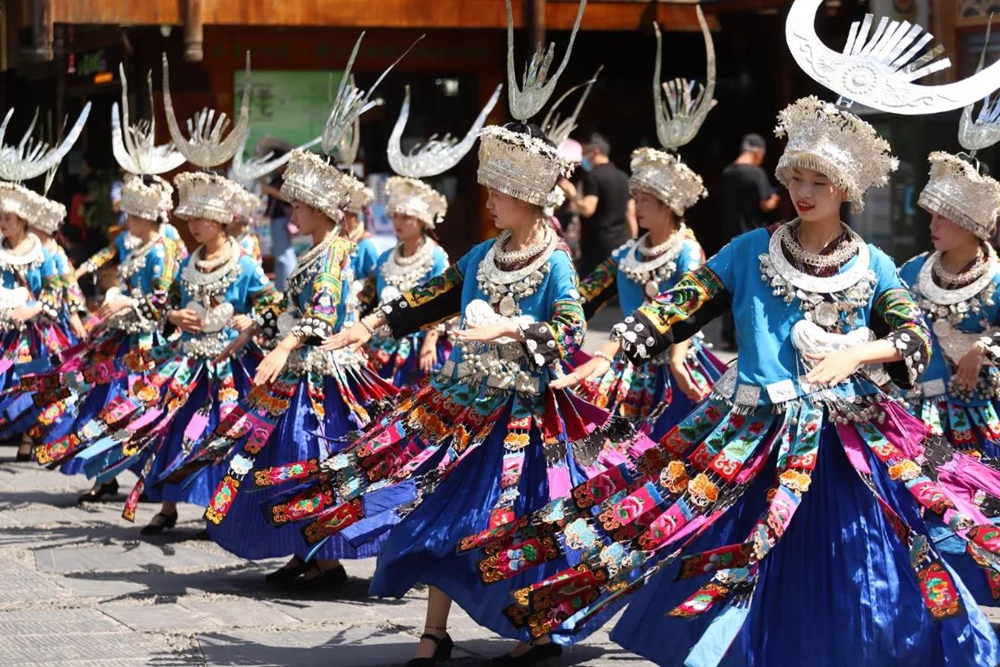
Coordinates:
(79, 588)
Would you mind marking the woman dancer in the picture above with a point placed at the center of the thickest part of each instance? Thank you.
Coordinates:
(958, 287)
(797, 469)
(415, 209)
(119, 350)
(657, 395)
(306, 400)
(30, 297)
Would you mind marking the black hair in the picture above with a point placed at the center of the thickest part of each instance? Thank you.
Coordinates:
(753, 142)
(598, 142)
(529, 129)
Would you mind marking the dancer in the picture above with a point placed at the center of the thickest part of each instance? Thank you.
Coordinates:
(30, 298)
(415, 209)
(242, 228)
(119, 350)
(657, 395)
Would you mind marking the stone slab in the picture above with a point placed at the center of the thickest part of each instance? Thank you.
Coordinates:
(138, 556)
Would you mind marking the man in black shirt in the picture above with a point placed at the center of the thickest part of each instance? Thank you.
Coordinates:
(747, 198)
(604, 205)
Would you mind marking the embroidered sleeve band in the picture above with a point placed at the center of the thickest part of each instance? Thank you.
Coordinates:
(598, 288)
(909, 333)
(437, 300)
(561, 338)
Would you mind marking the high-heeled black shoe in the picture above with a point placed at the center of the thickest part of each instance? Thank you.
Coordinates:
(23, 457)
(539, 655)
(442, 651)
(169, 521)
(333, 579)
(287, 574)
(95, 494)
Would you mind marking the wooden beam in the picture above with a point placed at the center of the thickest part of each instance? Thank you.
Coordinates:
(41, 30)
(194, 24)
(418, 14)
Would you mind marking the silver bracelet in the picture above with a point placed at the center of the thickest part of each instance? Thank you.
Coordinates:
(602, 355)
(367, 327)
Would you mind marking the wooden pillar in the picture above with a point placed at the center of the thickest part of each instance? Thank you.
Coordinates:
(536, 22)
(41, 30)
(943, 24)
(194, 24)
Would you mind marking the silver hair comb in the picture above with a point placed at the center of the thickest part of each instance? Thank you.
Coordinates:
(437, 155)
(558, 130)
(206, 147)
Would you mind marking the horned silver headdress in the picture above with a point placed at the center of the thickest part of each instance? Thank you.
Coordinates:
(27, 205)
(30, 158)
(514, 163)
(149, 197)
(135, 146)
(251, 169)
(206, 147)
(879, 69)
(681, 107)
(409, 195)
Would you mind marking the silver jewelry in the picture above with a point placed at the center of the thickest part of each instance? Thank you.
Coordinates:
(504, 289)
(607, 357)
(21, 263)
(405, 273)
(955, 305)
(518, 256)
(204, 287)
(136, 260)
(663, 263)
(308, 264)
(844, 251)
(957, 280)
(369, 328)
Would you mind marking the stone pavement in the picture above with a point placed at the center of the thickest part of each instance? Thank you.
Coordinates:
(79, 588)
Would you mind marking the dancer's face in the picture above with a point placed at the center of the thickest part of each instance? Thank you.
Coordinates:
(948, 235)
(814, 195)
(307, 218)
(203, 229)
(12, 225)
(140, 227)
(509, 212)
(652, 213)
(407, 227)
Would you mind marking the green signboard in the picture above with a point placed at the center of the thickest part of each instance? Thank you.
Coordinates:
(291, 105)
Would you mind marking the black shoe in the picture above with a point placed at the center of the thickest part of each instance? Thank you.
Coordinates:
(539, 655)
(203, 536)
(169, 521)
(23, 457)
(95, 495)
(288, 573)
(333, 579)
(442, 651)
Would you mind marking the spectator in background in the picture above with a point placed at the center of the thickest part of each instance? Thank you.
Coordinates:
(280, 214)
(604, 204)
(747, 198)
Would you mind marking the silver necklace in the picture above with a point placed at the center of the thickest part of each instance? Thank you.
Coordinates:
(517, 256)
(505, 289)
(209, 265)
(954, 280)
(955, 304)
(841, 254)
(136, 260)
(404, 273)
(651, 272)
(204, 286)
(21, 263)
(307, 263)
(826, 301)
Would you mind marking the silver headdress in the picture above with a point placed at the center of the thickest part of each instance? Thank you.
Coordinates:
(680, 112)
(410, 196)
(29, 158)
(407, 194)
(557, 129)
(537, 90)
(24, 203)
(361, 198)
(312, 180)
(879, 70)
(249, 170)
(516, 164)
(205, 195)
(958, 191)
(245, 204)
(664, 176)
(135, 148)
(152, 201)
(50, 217)
(206, 147)
(836, 143)
(985, 131)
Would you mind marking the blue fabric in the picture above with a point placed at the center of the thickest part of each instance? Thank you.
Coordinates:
(364, 259)
(421, 549)
(837, 589)
(247, 531)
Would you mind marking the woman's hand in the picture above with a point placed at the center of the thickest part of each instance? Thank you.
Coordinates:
(428, 353)
(489, 333)
(237, 344)
(685, 382)
(832, 368)
(271, 367)
(109, 308)
(354, 338)
(242, 322)
(969, 367)
(23, 314)
(186, 320)
(596, 367)
(76, 326)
